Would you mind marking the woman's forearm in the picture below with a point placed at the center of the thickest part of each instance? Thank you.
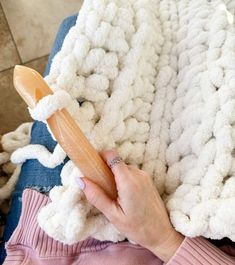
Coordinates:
(199, 251)
(168, 248)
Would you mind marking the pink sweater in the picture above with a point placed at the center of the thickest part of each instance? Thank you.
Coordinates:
(30, 245)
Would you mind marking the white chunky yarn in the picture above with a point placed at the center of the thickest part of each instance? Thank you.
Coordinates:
(49, 104)
(11, 142)
(72, 209)
(39, 152)
(158, 83)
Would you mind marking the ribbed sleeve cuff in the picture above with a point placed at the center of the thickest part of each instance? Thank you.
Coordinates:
(199, 251)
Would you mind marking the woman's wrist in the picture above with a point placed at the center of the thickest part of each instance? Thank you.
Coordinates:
(167, 249)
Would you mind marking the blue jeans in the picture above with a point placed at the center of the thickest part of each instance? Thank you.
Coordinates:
(33, 174)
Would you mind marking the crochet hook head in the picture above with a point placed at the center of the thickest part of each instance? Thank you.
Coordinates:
(30, 85)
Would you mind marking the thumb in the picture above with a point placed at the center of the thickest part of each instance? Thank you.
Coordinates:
(97, 196)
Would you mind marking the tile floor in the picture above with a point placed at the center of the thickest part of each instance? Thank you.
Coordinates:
(27, 31)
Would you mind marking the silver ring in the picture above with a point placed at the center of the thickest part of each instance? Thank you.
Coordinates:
(115, 161)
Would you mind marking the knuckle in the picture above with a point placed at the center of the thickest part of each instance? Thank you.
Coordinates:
(112, 153)
(145, 175)
(108, 154)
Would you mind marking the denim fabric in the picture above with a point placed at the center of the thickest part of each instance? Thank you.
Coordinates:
(33, 174)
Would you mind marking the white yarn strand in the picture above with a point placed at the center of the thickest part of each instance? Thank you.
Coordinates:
(39, 152)
(10, 142)
(49, 105)
(8, 188)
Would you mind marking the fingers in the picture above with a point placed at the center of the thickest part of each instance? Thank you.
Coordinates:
(120, 170)
(97, 197)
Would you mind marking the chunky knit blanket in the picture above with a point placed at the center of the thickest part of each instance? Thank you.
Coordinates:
(155, 80)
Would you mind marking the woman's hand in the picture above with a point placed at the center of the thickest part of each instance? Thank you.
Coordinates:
(139, 212)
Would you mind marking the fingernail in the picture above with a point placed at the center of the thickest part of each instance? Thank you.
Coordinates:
(81, 183)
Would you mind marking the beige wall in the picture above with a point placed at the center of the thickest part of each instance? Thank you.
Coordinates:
(27, 30)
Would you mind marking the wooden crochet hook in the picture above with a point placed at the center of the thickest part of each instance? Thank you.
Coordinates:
(32, 87)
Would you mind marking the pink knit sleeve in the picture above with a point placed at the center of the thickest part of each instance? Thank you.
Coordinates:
(199, 251)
